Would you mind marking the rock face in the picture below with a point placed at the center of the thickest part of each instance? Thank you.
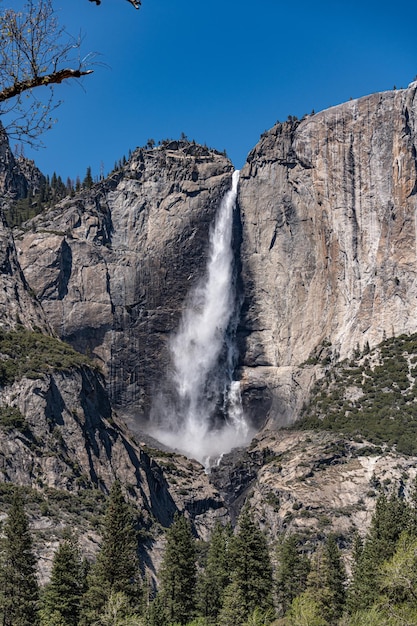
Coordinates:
(112, 266)
(17, 175)
(17, 305)
(329, 246)
(73, 441)
(72, 448)
(327, 252)
(64, 443)
(312, 483)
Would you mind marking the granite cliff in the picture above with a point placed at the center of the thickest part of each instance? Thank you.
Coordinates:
(112, 266)
(327, 251)
(328, 209)
(325, 244)
(61, 439)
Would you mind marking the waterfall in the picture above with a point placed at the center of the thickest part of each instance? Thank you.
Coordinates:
(202, 414)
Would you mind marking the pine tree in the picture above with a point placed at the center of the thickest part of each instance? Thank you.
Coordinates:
(117, 566)
(62, 596)
(351, 600)
(388, 522)
(216, 575)
(390, 519)
(233, 611)
(54, 180)
(317, 586)
(335, 579)
(178, 572)
(156, 614)
(69, 185)
(292, 572)
(88, 179)
(46, 192)
(326, 581)
(61, 190)
(252, 570)
(19, 584)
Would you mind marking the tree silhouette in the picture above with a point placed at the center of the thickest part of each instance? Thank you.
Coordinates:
(35, 51)
(117, 566)
(62, 595)
(178, 572)
(20, 587)
(292, 572)
(134, 3)
(216, 576)
(251, 570)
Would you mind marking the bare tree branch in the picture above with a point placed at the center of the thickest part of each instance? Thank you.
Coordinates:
(135, 3)
(34, 52)
(38, 81)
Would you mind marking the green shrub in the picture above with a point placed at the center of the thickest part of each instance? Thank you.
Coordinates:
(12, 419)
(273, 500)
(386, 409)
(30, 353)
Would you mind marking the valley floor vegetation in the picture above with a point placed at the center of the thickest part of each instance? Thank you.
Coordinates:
(234, 579)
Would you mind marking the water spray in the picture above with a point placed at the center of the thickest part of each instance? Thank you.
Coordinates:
(202, 358)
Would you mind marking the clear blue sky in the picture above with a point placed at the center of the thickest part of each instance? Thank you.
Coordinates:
(222, 72)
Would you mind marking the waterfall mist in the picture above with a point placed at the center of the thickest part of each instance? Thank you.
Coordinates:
(200, 411)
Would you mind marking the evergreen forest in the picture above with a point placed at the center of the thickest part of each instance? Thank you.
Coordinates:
(234, 579)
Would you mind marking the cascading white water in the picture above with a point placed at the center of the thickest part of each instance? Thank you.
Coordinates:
(201, 354)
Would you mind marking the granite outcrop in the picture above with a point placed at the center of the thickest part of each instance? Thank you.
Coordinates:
(113, 265)
(329, 246)
(62, 441)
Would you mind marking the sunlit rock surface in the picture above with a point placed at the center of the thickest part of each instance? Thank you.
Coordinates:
(17, 305)
(329, 246)
(311, 483)
(69, 445)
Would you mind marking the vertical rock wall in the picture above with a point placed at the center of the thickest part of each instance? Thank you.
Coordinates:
(113, 265)
(329, 248)
(17, 305)
(328, 251)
